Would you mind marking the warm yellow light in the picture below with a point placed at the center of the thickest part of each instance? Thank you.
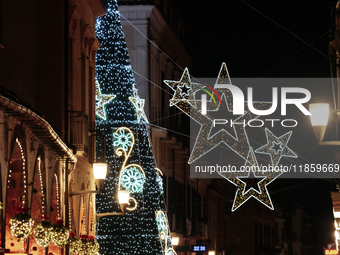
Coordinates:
(175, 240)
(99, 170)
(336, 214)
(123, 196)
(320, 114)
(337, 235)
(211, 253)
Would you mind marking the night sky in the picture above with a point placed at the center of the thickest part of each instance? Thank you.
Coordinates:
(270, 39)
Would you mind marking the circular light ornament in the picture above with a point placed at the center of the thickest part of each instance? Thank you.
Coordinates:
(132, 179)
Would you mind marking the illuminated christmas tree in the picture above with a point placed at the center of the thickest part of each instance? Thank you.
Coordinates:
(120, 115)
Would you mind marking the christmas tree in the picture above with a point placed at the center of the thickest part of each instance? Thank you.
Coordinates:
(120, 115)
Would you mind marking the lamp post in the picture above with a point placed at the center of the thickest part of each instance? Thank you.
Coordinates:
(99, 171)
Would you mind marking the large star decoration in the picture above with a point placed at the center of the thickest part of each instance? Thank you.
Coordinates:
(101, 101)
(242, 195)
(139, 105)
(187, 103)
(273, 143)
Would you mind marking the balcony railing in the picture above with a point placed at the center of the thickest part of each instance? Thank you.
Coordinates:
(78, 130)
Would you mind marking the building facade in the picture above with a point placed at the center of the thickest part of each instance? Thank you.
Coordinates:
(47, 78)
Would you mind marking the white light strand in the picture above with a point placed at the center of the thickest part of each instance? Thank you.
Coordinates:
(23, 172)
(42, 188)
(57, 190)
(84, 216)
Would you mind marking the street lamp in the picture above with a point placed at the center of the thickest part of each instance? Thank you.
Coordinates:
(175, 240)
(319, 120)
(99, 171)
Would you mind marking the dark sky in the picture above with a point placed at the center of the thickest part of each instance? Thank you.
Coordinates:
(253, 37)
(268, 39)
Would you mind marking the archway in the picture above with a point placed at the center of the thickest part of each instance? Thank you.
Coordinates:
(16, 195)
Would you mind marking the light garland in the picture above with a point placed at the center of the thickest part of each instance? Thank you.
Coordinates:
(57, 191)
(89, 246)
(23, 173)
(60, 234)
(70, 215)
(43, 233)
(21, 225)
(75, 245)
(84, 216)
(41, 187)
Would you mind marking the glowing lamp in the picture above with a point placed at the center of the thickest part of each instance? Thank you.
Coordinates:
(99, 171)
(211, 253)
(123, 199)
(123, 196)
(336, 214)
(175, 240)
(319, 119)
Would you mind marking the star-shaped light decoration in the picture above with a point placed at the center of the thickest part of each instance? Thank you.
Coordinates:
(183, 92)
(139, 105)
(101, 101)
(189, 105)
(281, 141)
(242, 195)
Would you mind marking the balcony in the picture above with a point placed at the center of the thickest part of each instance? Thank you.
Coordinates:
(78, 131)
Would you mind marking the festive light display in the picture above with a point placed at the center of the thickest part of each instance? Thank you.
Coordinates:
(276, 147)
(57, 192)
(41, 187)
(101, 101)
(74, 244)
(128, 151)
(21, 225)
(139, 104)
(43, 233)
(164, 232)
(191, 106)
(89, 245)
(205, 142)
(60, 234)
(23, 174)
(242, 195)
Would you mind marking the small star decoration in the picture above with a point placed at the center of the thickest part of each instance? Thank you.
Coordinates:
(242, 194)
(139, 105)
(276, 147)
(101, 101)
